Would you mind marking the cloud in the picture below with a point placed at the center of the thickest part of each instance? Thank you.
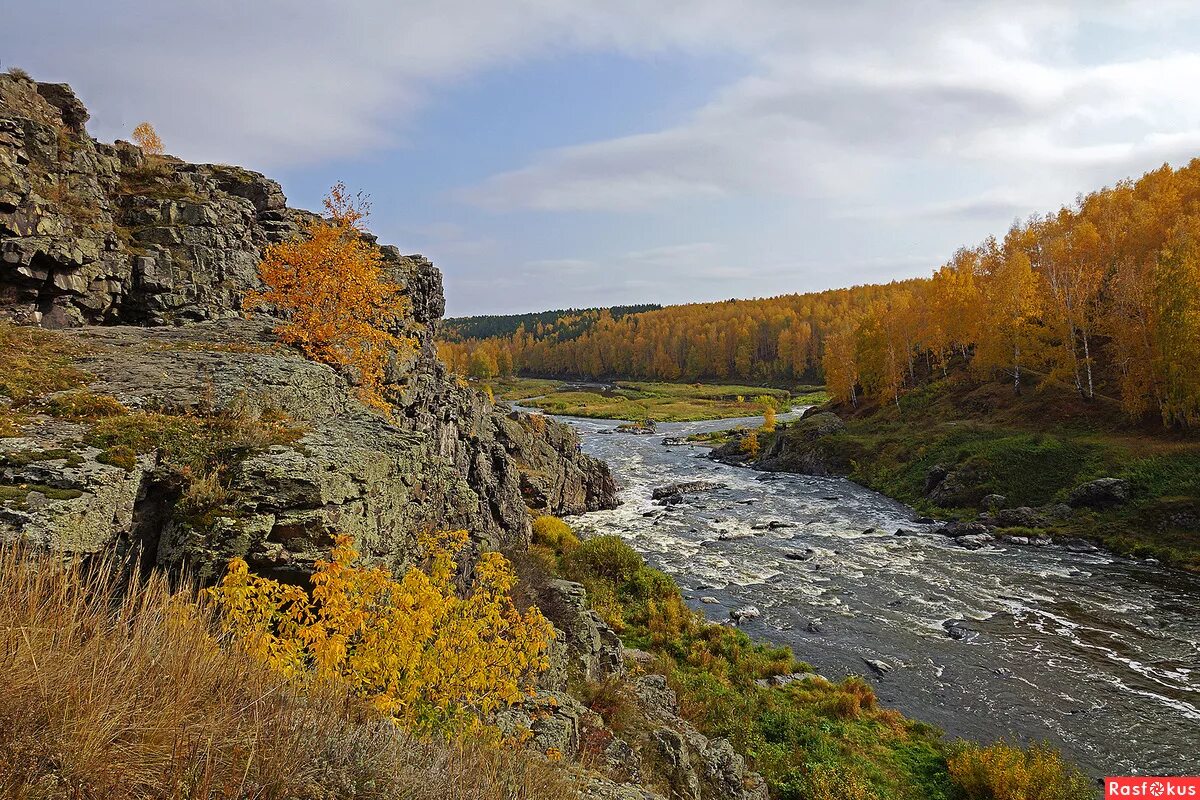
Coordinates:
(852, 136)
(849, 104)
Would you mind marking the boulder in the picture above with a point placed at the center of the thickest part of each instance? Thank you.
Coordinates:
(973, 541)
(878, 666)
(957, 530)
(993, 502)
(593, 647)
(1100, 493)
(674, 492)
(740, 615)
(1020, 517)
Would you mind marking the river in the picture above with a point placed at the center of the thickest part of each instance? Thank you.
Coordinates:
(1097, 655)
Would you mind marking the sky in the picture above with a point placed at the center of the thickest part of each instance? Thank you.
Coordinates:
(575, 153)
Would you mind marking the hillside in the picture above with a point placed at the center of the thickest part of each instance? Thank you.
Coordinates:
(1045, 463)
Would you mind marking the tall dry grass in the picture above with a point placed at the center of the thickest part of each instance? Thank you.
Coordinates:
(114, 686)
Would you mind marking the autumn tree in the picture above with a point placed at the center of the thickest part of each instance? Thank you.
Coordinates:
(768, 419)
(417, 648)
(340, 307)
(840, 364)
(1011, 312)
(145, 137)
(1177, 307)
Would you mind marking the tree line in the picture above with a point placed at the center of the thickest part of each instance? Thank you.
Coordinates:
(1103, 295)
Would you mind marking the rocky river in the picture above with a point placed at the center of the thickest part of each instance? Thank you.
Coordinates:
(1096, 654)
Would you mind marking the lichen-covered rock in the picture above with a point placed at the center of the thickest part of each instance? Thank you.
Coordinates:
(94, 234)
(594, 648)
(448, 461)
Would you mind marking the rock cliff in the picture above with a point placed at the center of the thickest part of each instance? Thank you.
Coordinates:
(173, 425)
(143, 261)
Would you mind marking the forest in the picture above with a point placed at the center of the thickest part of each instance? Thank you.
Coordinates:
(1102, 296)
(566, 323)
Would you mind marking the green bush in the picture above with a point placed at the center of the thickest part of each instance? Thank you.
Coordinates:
(554, 533)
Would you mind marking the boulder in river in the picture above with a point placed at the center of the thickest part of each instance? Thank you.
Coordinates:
(878, 666)
(957, 629)
(957, 530)
(712, 601)
(674, 492)
(744, 613)
(974, 541)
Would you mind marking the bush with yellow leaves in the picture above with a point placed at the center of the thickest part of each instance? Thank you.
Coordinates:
(1004, 771)
(414, 647)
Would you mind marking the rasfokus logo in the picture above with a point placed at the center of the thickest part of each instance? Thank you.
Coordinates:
(1151, 787)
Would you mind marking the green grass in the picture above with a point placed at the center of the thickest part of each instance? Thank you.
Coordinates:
(810, 739)
(636, 400)
(1032, 449)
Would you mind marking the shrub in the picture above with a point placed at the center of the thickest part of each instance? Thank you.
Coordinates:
(82, 404)
(1004, 771)
(605, 557)
(342, 309)
(120, 687)
(554, 533)
(750, 444)
(415, 648)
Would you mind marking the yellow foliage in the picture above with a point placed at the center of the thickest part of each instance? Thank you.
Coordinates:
(1004, 771)
(750, 444)
(768, 419)
(342, 309)
(554, 533)
(145, 137)
(413, 647)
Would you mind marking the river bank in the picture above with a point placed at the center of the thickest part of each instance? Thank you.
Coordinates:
(1091, 652)
(652, 401)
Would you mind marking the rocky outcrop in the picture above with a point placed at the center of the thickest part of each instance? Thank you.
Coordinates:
(145, 261)
(797, 447)
(95, 233)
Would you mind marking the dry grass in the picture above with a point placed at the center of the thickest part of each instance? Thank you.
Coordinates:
(117, 688)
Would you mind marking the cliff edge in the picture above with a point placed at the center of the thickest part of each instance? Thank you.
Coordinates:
(141, 263)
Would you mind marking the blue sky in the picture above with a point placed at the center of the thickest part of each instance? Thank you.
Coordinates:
(547, 153)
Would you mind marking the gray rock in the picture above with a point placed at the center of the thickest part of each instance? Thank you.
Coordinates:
(677, 490)
(1100, 493)
(878, 666)
(993, 502)
(739, 615)
(779, 681)
(956, 530)
(593, 646)
(974, 541)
